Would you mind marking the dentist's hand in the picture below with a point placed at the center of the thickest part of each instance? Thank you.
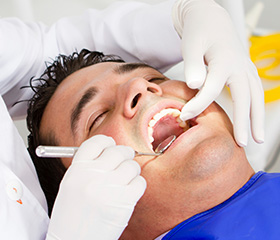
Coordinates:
(208, 37)
(98, 192)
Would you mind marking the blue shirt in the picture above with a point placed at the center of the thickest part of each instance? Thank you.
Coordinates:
(252, 213)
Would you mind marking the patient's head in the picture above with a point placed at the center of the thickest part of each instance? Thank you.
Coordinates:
(50, 173)
(138, 106)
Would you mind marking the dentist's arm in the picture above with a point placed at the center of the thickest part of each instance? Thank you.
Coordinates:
(98, 192)
(136, 31)
(208, 37)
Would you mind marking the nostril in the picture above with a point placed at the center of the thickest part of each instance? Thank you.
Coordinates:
(135, 100)
(151, 90)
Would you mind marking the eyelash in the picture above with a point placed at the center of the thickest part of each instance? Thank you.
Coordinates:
(156, 79)
(98, 118)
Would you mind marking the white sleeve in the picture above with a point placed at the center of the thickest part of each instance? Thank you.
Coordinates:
(23, 205)
(133, 30)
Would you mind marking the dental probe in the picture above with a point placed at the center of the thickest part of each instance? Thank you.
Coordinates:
(68, 152)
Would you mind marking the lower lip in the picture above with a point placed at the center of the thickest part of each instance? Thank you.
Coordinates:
(187, 133)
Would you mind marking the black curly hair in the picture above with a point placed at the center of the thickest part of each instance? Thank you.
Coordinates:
(51, 171)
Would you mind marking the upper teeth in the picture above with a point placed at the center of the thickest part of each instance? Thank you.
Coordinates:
(168, 111)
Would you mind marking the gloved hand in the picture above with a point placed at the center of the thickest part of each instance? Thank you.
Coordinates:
(98, 192)
(208, 37)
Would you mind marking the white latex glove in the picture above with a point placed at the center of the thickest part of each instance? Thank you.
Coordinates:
(98, 192)
(208, 37)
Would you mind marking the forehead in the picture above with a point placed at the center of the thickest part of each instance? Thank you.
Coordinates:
(101, 72)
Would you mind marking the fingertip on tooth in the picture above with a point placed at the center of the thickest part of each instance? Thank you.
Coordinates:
(178, 120)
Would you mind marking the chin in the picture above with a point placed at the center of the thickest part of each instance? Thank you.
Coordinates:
(209, 157)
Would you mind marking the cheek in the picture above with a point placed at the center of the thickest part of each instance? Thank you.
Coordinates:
(116, 130)
(178, 89)
(222, 118)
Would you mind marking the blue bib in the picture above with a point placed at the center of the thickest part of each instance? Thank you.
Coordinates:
(251, 213)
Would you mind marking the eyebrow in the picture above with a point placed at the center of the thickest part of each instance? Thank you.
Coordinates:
(129, 67)
(88, 96)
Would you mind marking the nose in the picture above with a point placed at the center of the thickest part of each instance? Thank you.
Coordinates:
(133, 93)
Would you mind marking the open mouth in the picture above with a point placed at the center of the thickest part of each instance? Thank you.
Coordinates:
(165, 123)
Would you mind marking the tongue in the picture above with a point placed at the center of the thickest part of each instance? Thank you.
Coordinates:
(165, 127)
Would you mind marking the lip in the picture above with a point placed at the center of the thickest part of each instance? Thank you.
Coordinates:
(183, 135)
(163, 104)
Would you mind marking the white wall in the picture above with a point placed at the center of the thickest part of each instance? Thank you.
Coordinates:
(51, 10)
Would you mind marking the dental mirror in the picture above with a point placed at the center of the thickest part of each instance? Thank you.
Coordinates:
(161, 148)
(165, 144)
(68, 152)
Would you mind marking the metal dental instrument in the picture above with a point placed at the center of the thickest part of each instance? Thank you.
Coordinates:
(68, 152)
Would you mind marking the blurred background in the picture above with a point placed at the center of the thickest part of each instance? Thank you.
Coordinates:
(262, 18)
(51, 10)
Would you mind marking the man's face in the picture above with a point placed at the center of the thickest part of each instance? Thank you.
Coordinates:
(123, 101)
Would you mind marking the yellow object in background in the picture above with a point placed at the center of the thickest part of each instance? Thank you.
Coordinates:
(265, 53)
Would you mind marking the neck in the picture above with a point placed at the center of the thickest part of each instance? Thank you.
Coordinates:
(162, 213)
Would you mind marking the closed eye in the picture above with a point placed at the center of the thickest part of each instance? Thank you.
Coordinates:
(97, 121)
(157, 80)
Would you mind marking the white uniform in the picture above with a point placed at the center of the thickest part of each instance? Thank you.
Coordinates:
(135, 31)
